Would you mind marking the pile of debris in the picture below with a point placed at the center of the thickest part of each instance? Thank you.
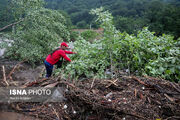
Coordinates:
(126, 98)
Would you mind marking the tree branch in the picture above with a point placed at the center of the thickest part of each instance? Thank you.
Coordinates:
(11, 24)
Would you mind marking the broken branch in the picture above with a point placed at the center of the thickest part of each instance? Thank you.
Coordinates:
(141, 82)
(169, 98)
(4, 75)
(93, 82)
(11, 24)
(12, 71)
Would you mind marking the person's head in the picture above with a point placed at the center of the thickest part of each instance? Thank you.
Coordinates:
(64, 46)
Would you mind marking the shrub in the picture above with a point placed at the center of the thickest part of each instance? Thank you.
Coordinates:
(145, 53)
(89, 35)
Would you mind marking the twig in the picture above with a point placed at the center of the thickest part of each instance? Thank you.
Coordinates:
(11, 25)
(93, 82)
(69, 84)
(29, 84)
(112, 82)
(12, 71)
(175, 87)
(149, 100)
(4, 75)
(172, 118)
(135, 92)
(141, 82)
(51, 85)
(169, 98)
(54, 111)
(152, 78)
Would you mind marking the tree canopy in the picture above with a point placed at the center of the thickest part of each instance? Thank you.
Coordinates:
(38, 33)
(161, 16)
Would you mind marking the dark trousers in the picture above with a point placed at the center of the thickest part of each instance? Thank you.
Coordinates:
(49, 69)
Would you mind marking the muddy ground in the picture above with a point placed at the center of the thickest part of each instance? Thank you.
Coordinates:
(123, 98)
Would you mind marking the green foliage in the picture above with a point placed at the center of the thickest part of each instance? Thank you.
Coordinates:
(151, 55)
(21, 8)
(81, 24)
(5, 40)
(128, 24)
(89, 35)
(144, 53)
(38, 34)
(89, 61)
(161, 16)
(5, 13)
(68, 19)
(74, 35)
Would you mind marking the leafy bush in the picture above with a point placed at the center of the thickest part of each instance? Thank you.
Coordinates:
(145, 53)
(40, 32)
(89, 35)
(89, 61)
(74, 35)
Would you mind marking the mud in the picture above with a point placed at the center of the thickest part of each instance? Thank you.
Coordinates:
(15, 116)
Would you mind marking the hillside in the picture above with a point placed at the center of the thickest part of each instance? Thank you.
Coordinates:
(107, 74)
(161, 16)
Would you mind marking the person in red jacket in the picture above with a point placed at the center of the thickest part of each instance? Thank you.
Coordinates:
(55, 56)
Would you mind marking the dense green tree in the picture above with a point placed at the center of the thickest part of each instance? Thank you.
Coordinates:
(5, 13)
(40, 32)
(161, 16)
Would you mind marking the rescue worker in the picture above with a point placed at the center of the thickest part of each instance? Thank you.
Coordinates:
(55, 56)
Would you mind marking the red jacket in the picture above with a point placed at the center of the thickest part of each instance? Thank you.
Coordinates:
(55, 57)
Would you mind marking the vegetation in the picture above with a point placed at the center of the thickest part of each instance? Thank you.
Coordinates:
(5, 13)
(144, 53)
(89, 35)
(38, 33)
(161, 16)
